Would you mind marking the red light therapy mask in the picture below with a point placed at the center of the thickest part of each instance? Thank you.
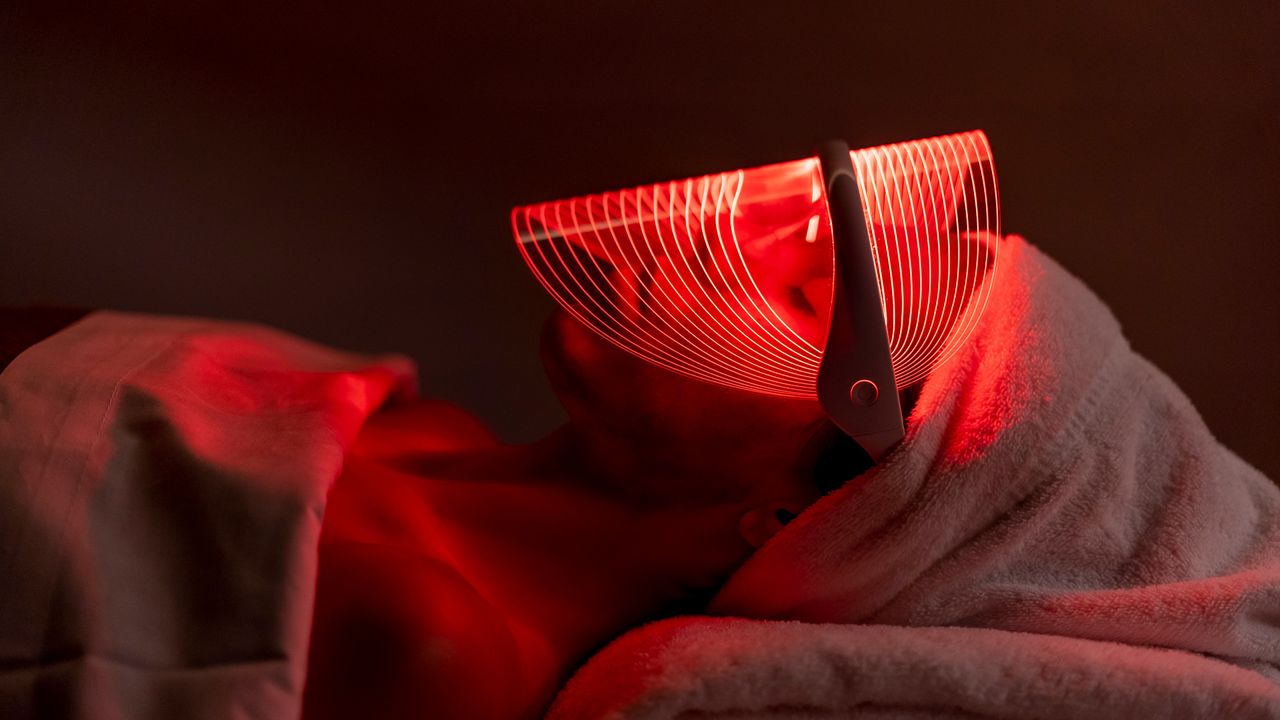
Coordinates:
(843, 276)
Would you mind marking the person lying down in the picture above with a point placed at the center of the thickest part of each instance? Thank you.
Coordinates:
(207, 519)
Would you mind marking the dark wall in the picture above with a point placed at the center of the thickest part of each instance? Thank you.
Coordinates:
(346, 174)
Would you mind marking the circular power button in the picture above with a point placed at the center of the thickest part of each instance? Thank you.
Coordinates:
(864, 392)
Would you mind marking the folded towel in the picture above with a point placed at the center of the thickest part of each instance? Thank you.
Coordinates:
(162, 482)
(1058, 505)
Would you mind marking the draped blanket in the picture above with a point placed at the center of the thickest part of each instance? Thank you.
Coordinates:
(162, 483)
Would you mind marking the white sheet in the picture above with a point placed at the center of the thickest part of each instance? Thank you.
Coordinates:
(162, 483)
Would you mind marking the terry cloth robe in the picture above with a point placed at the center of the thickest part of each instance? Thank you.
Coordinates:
(1059, 536)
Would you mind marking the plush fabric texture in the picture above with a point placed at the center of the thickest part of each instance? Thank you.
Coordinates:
(1058, 536)
(162, 483)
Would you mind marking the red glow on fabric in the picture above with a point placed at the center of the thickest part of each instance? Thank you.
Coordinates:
(727, 278)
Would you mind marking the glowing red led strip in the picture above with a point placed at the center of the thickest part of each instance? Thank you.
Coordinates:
(760, 308)
(638, 336)
(750, 352)
(672, 355)
(703, 329)
(919, 300)
(932, 215)
(755, 292)
(688, 324)
(935, 244)
(698, 357)
(989, 229)
(755, 339)
(956, 295)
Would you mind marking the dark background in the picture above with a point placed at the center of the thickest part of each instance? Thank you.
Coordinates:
(346, 173)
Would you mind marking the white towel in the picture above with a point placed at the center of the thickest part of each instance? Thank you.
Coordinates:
(162, 482)
(1058, 536)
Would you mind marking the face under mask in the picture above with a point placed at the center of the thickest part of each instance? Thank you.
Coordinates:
(845, 276)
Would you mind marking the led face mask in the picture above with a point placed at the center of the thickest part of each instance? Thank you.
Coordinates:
(845, 276)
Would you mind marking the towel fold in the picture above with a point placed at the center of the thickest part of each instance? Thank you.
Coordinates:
(1059, 535)
(734, 668)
